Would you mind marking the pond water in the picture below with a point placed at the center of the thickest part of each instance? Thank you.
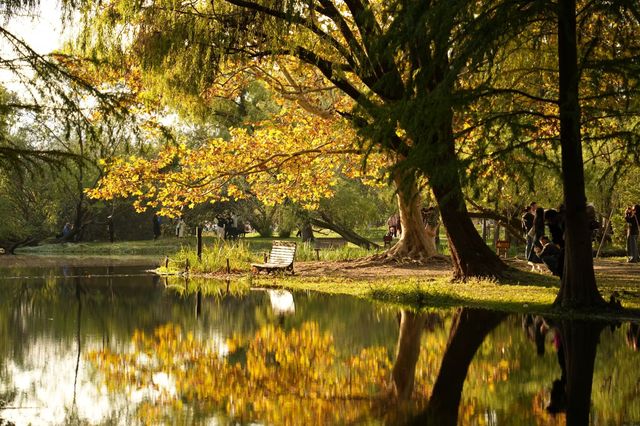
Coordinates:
(109, 345)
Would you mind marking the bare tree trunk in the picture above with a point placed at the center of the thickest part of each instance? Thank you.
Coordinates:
(416, 242)
(470, 254)
(306, 232)
(578, 287)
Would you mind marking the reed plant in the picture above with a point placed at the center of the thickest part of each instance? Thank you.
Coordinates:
(214, 259)
(307, 253)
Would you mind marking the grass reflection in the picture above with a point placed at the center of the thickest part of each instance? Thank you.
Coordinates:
(207, 287)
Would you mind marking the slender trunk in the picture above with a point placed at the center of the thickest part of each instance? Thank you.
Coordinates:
(468, 331)
(578, 287)
(416, 241)
(407, 353)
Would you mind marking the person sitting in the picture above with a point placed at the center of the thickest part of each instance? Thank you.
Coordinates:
(551, 255)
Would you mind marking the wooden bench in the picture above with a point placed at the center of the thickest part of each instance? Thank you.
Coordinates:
(280, 258)
(502, 247)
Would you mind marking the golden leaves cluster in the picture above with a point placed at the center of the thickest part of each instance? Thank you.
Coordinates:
(294, 155)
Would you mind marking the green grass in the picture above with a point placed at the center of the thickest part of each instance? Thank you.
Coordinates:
(163, 246)
(306, 252)
(517, 292)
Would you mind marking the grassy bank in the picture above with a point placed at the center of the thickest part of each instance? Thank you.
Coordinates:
(518, 292)
(182, 251)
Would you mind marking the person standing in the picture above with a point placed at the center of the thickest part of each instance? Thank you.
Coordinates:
(537, 231)
(527, 224)
(631, 217)
(182, 228)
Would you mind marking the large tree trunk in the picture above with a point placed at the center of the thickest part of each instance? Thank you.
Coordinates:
(578, 287)
(470, 254)
(468, 331)
(407, 352)
(416, 242)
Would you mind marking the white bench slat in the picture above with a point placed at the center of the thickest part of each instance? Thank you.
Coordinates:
(281, 257)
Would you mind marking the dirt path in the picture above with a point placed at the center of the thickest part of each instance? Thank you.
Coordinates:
(364, 269)
(611, 271)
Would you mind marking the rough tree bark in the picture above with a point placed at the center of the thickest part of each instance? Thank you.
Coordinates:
(416, 242)
(306, 232)
(578, 288)
(469, 253)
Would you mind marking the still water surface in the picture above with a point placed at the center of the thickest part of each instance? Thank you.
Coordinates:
(114, 345)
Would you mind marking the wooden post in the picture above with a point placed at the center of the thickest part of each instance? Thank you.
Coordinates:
(228, 267)
(166, 262)
(199, 238)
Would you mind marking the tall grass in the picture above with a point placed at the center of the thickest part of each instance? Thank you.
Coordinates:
(306, 253)
(214, 258)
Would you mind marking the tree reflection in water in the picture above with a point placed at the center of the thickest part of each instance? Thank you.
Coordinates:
(298, 376)
(468, 331)
(578, 342)
(313, 369)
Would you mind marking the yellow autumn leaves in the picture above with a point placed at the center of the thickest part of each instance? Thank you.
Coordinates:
(295, 155)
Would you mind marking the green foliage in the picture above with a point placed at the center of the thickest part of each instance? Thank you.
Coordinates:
(355, 205)
(286, 221)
